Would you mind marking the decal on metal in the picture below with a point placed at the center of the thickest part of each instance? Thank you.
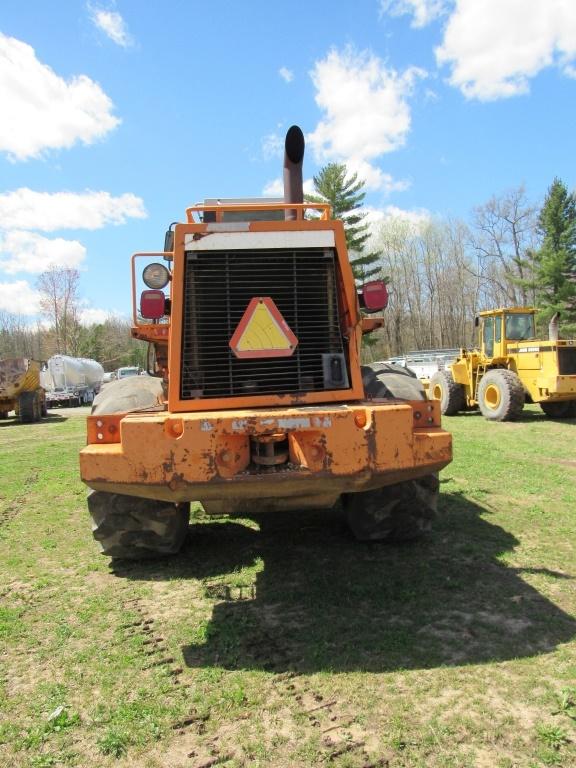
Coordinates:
(263, 332)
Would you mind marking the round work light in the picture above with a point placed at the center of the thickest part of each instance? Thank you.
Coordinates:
(156, 276)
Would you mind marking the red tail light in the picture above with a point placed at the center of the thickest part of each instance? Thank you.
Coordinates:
(373, 296)
(152, 305)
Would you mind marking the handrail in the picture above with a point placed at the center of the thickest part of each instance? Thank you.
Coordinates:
(218, 210)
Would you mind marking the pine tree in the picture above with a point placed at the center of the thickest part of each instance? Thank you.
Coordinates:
(556, 259)
(346, 195)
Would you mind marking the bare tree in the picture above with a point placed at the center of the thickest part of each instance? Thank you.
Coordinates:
(432, 284)
(58, 289)
(505, 240)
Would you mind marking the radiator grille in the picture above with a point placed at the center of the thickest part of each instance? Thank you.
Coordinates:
(567, 361)
(218, 286)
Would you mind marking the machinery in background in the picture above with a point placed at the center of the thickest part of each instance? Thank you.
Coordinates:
(21, 390)
(510, 366)
(71, 381)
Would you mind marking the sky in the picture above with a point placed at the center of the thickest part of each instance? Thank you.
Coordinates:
(115, 116)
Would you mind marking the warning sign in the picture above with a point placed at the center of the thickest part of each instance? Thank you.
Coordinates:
(263, 332)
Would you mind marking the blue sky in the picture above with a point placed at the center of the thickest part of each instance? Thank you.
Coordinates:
(117, 115)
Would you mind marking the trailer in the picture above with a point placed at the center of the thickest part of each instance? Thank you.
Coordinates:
(426, 362)
(71, 381)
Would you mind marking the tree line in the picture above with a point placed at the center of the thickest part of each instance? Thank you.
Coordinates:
(441, 272)
(58, 329)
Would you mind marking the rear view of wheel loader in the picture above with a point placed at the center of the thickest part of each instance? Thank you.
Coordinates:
(256, 398)
(20, 389)
(509, 367)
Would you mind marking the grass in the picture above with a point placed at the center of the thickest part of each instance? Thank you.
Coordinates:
(279, 641)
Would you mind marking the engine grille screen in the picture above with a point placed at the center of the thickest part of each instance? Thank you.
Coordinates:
(567, 361)
(218, 287)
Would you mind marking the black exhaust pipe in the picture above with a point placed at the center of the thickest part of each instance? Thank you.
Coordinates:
(553, 327)
(293, 157)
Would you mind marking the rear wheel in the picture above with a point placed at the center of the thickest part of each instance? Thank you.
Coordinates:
(391, 381)
(565, 410)
(396, 512)
(134, 394)
(501, 395)
(451, 395)
(132, 528)
(29, 407)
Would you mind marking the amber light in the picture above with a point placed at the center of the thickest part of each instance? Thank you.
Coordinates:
(360, 419)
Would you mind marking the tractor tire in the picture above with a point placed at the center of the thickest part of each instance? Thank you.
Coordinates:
(137, 393)
(29, 407)
(395, 513)
(501, 395)
(131, 528)
(451, 395)
(391, 381)
(565, 410)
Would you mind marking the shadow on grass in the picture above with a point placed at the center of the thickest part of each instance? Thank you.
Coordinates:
(527, 415)
(51, 418)
(326, 603)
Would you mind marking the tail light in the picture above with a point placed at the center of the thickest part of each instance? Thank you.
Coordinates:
(152, 305)
(373, 296)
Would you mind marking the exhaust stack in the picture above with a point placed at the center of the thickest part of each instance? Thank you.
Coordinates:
(553, 327)
(293, 157)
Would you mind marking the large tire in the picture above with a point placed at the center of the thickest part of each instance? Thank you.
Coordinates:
(564, 410)
(137, 393)
(132, 528)
(394, 513)
(451, 395)
(501, 395)
(391, 381)
(28, 407)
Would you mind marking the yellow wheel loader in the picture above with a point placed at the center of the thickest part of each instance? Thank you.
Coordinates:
(509, 367)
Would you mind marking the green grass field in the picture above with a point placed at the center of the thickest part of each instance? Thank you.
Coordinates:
(280, 641)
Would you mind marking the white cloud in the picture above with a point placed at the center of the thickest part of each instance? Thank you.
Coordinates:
(272, 146)
(113, 26)
(92, 315)
(493, 48)
(366, 111)
(28, 252)
(275, 188)
(19, 298)
(42, 111)
(286, 74)
(417, 218)
(423, 11)
(26, 209)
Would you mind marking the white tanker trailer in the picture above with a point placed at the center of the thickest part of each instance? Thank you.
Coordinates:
(71, 380)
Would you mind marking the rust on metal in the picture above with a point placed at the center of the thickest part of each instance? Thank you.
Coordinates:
(213, 457)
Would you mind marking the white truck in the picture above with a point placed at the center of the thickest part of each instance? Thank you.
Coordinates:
(71, 381)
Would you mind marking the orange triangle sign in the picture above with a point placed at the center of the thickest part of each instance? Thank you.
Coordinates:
(263, 332)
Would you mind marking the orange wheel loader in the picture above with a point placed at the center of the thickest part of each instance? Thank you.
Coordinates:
(255, 397)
